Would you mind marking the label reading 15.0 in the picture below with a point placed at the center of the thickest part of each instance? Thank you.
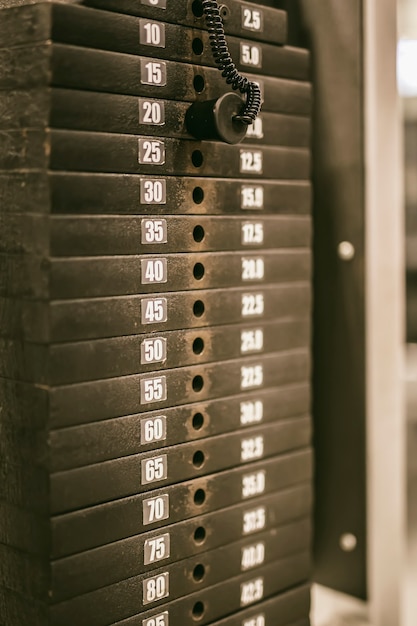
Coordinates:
(154, 469)
(153, 429)
(151, 33)
(155, 509)
(156, 588)
(252, 19)
(259, 620)
(253, 484)
(254, 520)
(153, 389)
(251, 197)
(162, 619)
(252, 591)
(251, 412)
(157, 549)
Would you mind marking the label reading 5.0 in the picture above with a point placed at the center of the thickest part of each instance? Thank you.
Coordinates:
(253, 484)
(151, 33)
(251, 197)
(153, 72)
(155, 509)
(252, 591)
(250, 54)
(259, 620)
(153, 389)
(252, 19)
(154, 231)
(153, 429)
(151, 151)
(156, 588)
(254, 520)
(154, 310)
(153, 350)
(153, 191)
(154, 469)
(251, 412)
(151, 112)
(157, 549)
(153, 271)
(163, 618)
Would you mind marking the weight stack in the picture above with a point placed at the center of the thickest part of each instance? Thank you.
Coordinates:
(155, 425)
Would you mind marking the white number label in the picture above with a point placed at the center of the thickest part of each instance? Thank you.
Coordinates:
(259, 620)
(152, 112)
(250, 54)
(153, 72)
(254, 520)
(152, 33)
(163, 618)
(252, 19)
(256, 129)
(153, 271)
(154, 469)
(251, 340)
(252, 304)
(252, 448)
(251, 197)
(252, 591)
(156, 588)
(253, 484)
(153, 191)
(161, 4)
(251, 161)
(157, 549)
(252, 556)
(155, 509)
(154, 310)
(154, 231)
(252, 376)
(153, 429)
(151, 151)
(253, 269)
(153, 389)
(252, 233)
(251, 412)
(153, 350)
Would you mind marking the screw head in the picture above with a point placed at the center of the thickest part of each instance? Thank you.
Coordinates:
(348, 542)
(346, 250)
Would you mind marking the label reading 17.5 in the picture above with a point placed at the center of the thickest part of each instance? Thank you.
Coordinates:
(252, 233)
(162, 619)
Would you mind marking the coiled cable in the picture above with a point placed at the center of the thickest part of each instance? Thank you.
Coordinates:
(225, 64)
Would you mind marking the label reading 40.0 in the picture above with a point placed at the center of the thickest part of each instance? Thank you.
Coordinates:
(252, 556)
(162, 619)
(153, 271)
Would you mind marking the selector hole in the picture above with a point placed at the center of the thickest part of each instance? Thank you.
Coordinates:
(198, 232)
(200, 534)
(198, 46)
(198, 271)
(199, 83)
(199, 497)
(198, 345)
(198, 197)
(199, 572)
(198, 610)
(198, 308)
(198, 421)
(198, 383)
(198, 458)
(197, 158)
(197, 8)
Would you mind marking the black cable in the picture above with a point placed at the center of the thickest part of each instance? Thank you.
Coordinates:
(225, 64)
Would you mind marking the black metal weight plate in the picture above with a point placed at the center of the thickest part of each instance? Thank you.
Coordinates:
(185, 574)
(103, 112)
(86, 486)
(208, 604)
(135, 555)
(105, 523)
(75, 193)
(241, 18)
(103, 399)
(94, 235)
(132, 434)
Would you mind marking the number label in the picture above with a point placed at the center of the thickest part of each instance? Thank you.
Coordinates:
(259, 620)
(157, 549)
(153, 350)
(152, 112)
(251, 412)
(155, 509)
(253, 269)
(153, 389)
(252, 304)
(254, 520)
(252, 376)
(151, 33)
(160, 4)
(153, 271)
(252, 591)
(252, 448)
(250, 54)
(154, 310)
(252, 556)
(251, 161)
(252, 233)
(253, 484)
(158, 620)
(151, 151)
(255, 130)
(156, 588)
(154, 231)
(251, 341)
(251, 197)
(154, 469)
(153, 191)
(252, 19)
(153, 72)
(153, 429)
